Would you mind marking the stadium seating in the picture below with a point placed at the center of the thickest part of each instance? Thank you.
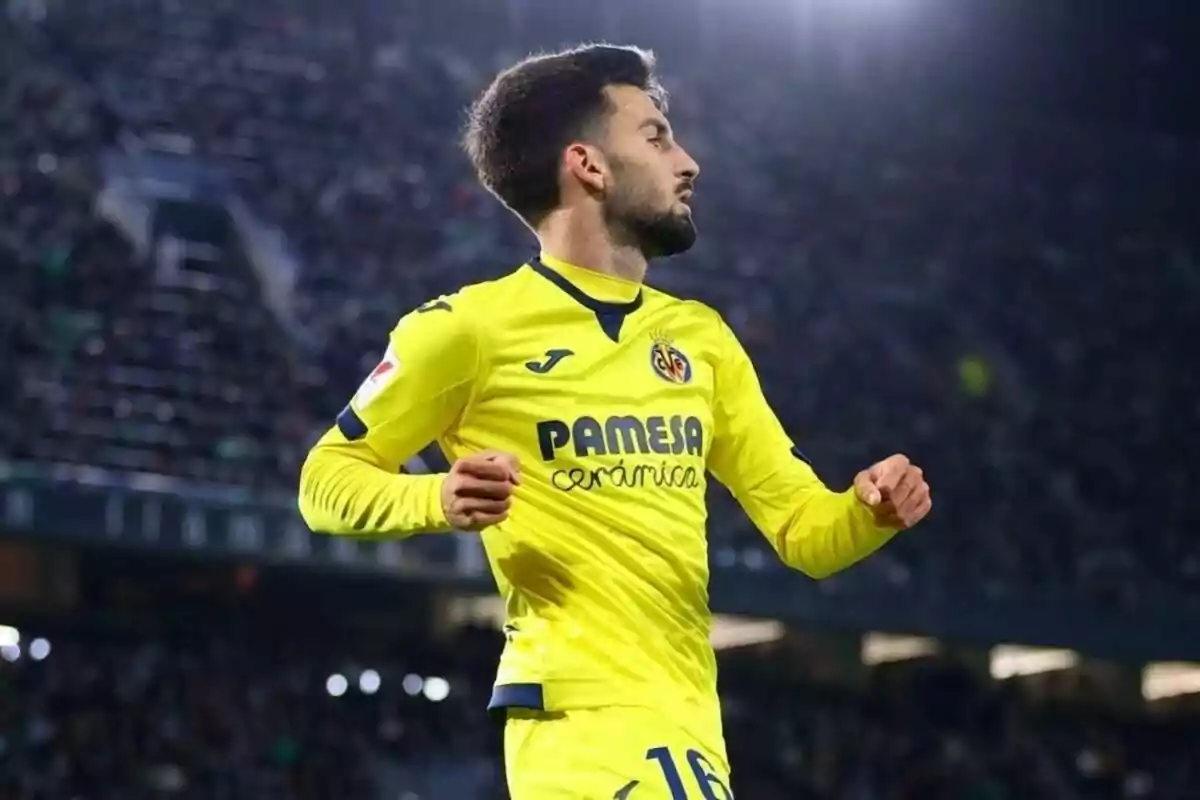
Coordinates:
(1010, 299)
(908, 276)
(148, 716)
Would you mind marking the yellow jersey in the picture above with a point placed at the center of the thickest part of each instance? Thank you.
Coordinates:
(618, 400)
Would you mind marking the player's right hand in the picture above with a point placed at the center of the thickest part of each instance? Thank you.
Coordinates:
(477, 492)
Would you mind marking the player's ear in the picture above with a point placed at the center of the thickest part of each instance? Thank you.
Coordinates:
(586, 164)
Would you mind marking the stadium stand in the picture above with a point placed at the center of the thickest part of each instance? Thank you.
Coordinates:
(987, 272)
(226, 718)
(1009, 297)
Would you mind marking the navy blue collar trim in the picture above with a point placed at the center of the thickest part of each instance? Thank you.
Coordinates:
(610, 315)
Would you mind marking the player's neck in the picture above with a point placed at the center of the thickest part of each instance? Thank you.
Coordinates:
(569, 239)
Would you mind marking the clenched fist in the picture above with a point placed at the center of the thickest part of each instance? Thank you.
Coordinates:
(896, 492)
(477, 492)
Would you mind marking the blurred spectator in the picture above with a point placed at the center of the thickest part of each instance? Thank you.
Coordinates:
(1008, 299)
(220, 718)
(1011, 299)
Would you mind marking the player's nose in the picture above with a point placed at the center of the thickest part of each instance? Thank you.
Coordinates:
(687, 169)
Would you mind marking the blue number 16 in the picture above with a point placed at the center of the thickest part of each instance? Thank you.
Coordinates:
(702, 771)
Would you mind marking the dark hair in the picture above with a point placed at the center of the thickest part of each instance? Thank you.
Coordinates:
(517, 129)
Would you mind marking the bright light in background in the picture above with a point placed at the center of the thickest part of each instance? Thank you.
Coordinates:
(436, 689)
(730, 631)
(1170, 679)
(9, 636)
(336, 685)
(1012, 661)
(39, 649)
(10, 652)
(477, 610)
(868, 10)
(727, 631)
(412, 685)
(881, 648)
(368, 681)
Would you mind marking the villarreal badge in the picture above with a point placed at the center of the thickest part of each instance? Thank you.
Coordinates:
(669, 362)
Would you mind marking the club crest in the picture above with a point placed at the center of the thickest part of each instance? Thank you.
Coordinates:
(668, 362)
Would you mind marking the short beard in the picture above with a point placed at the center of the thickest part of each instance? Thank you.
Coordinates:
(656, 234)
(659, 235)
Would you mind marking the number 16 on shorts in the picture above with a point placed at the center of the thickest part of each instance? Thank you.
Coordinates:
(708, 785)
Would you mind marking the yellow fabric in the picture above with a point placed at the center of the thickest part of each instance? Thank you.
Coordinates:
(615, 752)
(603, 560)
(596, 285)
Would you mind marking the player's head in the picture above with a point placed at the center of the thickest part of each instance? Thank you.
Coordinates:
(586, 128)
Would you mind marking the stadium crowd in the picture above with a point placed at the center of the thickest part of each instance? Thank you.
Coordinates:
(103, 717)
(1009, 298)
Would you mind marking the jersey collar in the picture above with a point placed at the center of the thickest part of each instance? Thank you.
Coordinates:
(610, 298)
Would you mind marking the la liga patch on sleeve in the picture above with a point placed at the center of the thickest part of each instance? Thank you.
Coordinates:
(379, 379)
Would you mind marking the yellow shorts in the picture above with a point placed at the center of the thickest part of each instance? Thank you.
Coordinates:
(615, 753)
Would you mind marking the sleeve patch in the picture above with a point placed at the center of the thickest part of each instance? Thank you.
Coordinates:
(380, 378)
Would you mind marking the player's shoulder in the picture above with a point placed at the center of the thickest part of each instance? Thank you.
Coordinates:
(498, 294)
(469, 303)
(698, 313)
(695, 326)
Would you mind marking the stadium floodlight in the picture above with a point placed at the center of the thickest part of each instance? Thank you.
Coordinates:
(413, 684)
(1014, 661)
(9, 636)
(1164, 679)
(336, 685)
(38, 649)
(369, 681)
(436, 689)
(882, 648)
(731, 631)
(863, 9)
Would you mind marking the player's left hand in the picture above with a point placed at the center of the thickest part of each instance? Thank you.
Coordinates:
(896, 492)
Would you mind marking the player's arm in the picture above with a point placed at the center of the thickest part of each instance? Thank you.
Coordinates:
(814, 529)
(351, 482)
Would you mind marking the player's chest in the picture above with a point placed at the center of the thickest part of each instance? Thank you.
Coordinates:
(567, 373)
(564, 361)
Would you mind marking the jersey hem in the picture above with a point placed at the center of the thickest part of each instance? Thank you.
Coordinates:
(562, 695)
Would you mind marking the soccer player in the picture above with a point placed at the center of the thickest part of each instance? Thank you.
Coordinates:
(582, 411)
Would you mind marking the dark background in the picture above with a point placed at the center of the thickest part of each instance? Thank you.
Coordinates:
(967, 231)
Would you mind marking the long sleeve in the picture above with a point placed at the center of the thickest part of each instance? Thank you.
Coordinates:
(814, 529)
(351, 482)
